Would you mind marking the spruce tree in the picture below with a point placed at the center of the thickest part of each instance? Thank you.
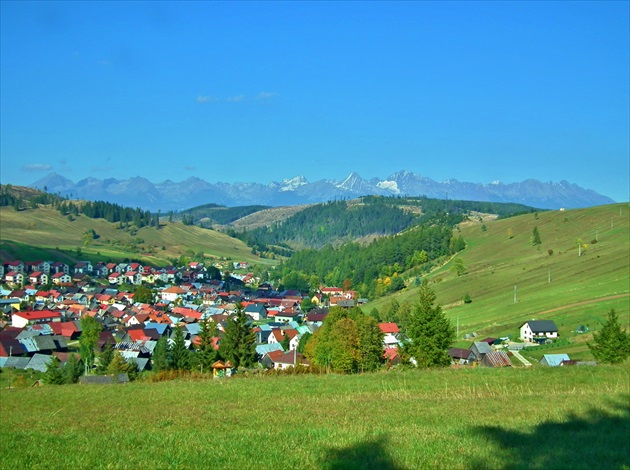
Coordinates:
(536, 237)
(53, 375)
(206, 355)
(611, 344)
(160, 359)
(180, 355)
(105, 358)
(430, 332)
(72, 370)
(238, 343)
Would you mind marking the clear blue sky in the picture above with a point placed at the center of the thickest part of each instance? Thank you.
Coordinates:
(263, 91)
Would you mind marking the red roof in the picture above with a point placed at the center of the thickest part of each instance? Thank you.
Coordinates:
(38, 314)
(388, 327)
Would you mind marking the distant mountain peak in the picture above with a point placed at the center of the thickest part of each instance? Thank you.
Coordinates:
(169, 195)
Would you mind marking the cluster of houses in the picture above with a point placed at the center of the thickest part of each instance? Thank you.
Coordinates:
(42, 322)
(37, 273)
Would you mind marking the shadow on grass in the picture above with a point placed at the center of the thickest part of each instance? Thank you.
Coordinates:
(598, 439)
(364, 455)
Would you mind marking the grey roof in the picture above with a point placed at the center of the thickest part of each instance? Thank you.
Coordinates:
(141, 362)
(481, 347)
(542, 326)
(159, 327)
(554, 360)
(39, 362)
(263, 349)
(15, 362)
(46, 343)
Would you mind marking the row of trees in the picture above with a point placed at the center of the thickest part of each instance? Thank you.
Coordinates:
(373, 270)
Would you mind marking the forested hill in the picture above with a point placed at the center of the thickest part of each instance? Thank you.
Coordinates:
(343, 221)
(208, 215)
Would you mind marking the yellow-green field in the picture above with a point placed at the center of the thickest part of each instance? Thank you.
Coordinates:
(47, 228)
(572, 290)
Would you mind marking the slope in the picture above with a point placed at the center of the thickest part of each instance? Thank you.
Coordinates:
(511, 281)
(45, 227)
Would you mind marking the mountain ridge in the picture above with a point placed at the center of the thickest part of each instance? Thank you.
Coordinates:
(169, 195)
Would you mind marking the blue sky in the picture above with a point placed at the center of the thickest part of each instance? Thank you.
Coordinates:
(263, 91)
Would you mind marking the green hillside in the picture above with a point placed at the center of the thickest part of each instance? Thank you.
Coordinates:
(47, 228)
(565, 417)
(569, 289)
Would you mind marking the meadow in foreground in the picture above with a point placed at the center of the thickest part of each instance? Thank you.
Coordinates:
(568, 417)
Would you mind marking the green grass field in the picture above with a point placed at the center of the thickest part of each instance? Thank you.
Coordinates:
(47, 229)
(572, 290)
(569, 417)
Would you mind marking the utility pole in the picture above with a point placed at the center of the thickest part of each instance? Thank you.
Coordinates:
(514, 294)
(458, 327)
(549, 277)
(596, 233)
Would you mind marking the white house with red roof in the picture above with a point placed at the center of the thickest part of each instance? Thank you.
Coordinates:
(21, 319)
(61, 278)
(14, 277)
(171, 294)
(38, 278)
(389, 330)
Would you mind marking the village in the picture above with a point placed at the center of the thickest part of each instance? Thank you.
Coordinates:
(44, 303)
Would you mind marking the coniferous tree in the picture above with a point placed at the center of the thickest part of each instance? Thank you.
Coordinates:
(160, 359)
(536, 237)
(370, 343)
(611, 344)
(430, 332)
(205, 354)
(72, 370)
(180, 355)
(120, 365)
(53, 375)
(238, 343)
(105, 359)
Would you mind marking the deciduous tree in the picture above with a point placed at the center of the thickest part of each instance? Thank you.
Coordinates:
(90, 333)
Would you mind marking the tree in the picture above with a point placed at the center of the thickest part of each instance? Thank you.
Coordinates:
(90, 333)
(180, 355)
(307, 304)
(304, 339)
(459, 267)
(286, 342)
(611, 344)
(105, 358)
(143, 295)
(536, 236)
(160, 359)
(238, 343)
(72, 370)
(120, 365)
(370, 343)
(206, 355)
(53, 375)
(467, 298)
(431, 333)
(344, 345)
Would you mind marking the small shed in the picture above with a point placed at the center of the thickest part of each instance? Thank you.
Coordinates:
(554, 360)
(222, 369)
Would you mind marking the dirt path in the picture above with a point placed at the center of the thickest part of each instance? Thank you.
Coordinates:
(585, 302)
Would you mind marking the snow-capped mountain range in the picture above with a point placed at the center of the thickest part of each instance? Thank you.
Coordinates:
(169, 195)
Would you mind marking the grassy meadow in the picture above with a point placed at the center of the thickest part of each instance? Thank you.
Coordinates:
(572, 290)
(569, 417)
(48, 229)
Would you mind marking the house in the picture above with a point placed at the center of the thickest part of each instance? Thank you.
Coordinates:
(171, 294)
(14, 277)
(390, 330)
(59, 267)
(257, 311)
(461, 356)
(282, 360)
(115, 278)
(61, 278)
(538, 330)
(16, 266)
(21, 319)
(554, 360)
(38, 277)
(83, 267)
